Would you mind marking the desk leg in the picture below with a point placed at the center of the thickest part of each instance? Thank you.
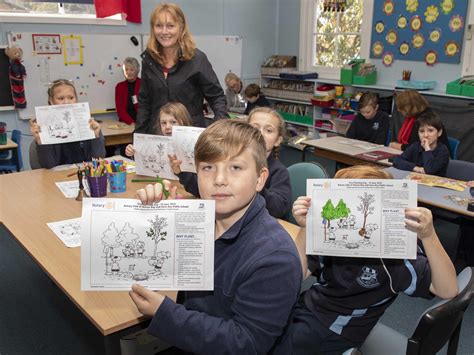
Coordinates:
(15, 157)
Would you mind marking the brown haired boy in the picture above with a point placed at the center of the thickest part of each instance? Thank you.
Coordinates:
(255, 98)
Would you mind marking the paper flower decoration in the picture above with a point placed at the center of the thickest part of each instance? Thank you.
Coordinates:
(402, 22)
(377, 49)
(388, 7)
(404, 48)
(431, 58)
(431, 14)
(456, 23)
(447, 6)
(388, 59)
(412, 5)
(435, 35)
(451, 49)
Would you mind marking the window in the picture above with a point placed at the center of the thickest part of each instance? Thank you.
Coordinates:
(72, 11)
(330, 39)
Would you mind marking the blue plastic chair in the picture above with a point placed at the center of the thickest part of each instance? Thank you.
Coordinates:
(453, 147)
(9, 165)
(389, 138)
(299, 173)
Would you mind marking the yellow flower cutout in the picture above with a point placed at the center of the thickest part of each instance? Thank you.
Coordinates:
(447, 6)
(431, 13)
(412, 5)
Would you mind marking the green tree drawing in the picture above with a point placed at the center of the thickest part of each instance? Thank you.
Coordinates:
(155, 231)
(110, 239)
(328, 213)
(342, 211)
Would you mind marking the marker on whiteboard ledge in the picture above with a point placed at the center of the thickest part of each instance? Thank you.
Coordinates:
(110, 109)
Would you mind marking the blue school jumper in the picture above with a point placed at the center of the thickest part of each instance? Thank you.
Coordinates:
(257, 278)
(435, 162)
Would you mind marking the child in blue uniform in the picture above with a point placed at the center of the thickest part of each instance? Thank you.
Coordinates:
(339, 311)
(277, 189)
(428, 155)
(257, 272)
(370, 125)
(255, 98)
(63, 92)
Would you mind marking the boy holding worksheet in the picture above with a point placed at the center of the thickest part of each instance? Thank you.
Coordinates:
(340, 309)
(257, 272)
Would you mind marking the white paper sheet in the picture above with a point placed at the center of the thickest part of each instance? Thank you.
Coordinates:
(151, 155)
(64, 123)
(184, 140)
(70, 189)
(68, 231)
(360, 218)
(164, 246)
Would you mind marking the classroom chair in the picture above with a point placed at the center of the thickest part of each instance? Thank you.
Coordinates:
(438, 325)
(33, 154)
(460, 170)
(9, 165)
(299, 173)
(453, 147)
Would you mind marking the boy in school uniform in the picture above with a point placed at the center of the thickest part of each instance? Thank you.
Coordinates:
(428, 155)
(255, 98)
(257, 275)
(351, 294)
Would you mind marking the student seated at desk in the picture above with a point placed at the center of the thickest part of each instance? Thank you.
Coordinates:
(171, 114)
(62, 92)
(257, 272)
(233, 93)
(339, 311)
(428, 155)
(255, 98)
(370, 125)
(277, 189)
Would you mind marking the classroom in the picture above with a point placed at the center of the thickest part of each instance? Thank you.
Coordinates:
(312, 77)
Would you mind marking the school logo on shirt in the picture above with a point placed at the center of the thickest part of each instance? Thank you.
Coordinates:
(368, 278)
(375, 126)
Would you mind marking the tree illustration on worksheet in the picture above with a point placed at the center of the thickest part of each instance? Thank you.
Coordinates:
(128, 235)
(155, 231)
(110, 239)
(342, 211)
(366, 208)
(328, 213)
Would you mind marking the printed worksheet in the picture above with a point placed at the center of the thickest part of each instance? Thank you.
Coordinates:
(64, 123)
(70, 189)
(184, 140)
(151, 155)
(360, 218)
(68, 231)
(164, 246)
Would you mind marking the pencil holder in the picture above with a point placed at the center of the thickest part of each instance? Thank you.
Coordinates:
(97, 185)
(118, 181)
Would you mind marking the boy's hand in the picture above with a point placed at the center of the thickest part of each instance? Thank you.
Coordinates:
(95, 126)
(175, 164)
(419, 169)
(35, 130)
(147, 301)
(420, 220)
(425, 144)
(154, 193)
(129, 150)
(300, 209)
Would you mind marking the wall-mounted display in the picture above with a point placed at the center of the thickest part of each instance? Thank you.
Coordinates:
(430, 31)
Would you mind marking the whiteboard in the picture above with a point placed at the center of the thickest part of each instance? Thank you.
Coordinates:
(94, 79)
(224, 53)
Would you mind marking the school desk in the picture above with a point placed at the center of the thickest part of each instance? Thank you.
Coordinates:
(436, 197)
(116, 132)
(11, 145)
(29, 200)
(332, 148)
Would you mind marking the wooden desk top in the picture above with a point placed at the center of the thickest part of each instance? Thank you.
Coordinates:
(335, 145)
(10, 145)
(30, 199)
(114, 128)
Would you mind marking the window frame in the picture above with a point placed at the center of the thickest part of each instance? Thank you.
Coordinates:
(307, 16)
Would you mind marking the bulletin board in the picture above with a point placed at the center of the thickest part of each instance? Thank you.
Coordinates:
(92, 61)
(420, 30)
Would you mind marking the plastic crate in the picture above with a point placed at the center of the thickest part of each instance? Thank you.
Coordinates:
(454, 87)
(365, 80)
(416, 84)
(296, 118)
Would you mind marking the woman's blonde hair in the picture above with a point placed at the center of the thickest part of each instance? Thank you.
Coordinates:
(229, 77)
(186, 44)
(226, 139)
(56, 83)
(362, 172)
(178, 111)
(281, 125)
(410, 102)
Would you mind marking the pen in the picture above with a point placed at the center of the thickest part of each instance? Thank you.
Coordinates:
(145, 180)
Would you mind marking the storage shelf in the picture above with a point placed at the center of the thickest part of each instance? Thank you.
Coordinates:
(289, 100)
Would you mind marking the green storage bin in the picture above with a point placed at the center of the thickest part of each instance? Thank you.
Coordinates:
(288, 117)
(467, 90)
(370, 79)
(453, 88)
(347, 75)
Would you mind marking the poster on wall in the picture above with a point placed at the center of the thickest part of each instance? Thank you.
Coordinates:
(430, 30)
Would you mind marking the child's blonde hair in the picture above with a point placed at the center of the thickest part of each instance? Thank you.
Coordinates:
(186, 44)
(178, 111)
(368, 99)
(57, 83)
(226, 139)
(281, 125)
(410, 102)
(362, 172)
(229, 77)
